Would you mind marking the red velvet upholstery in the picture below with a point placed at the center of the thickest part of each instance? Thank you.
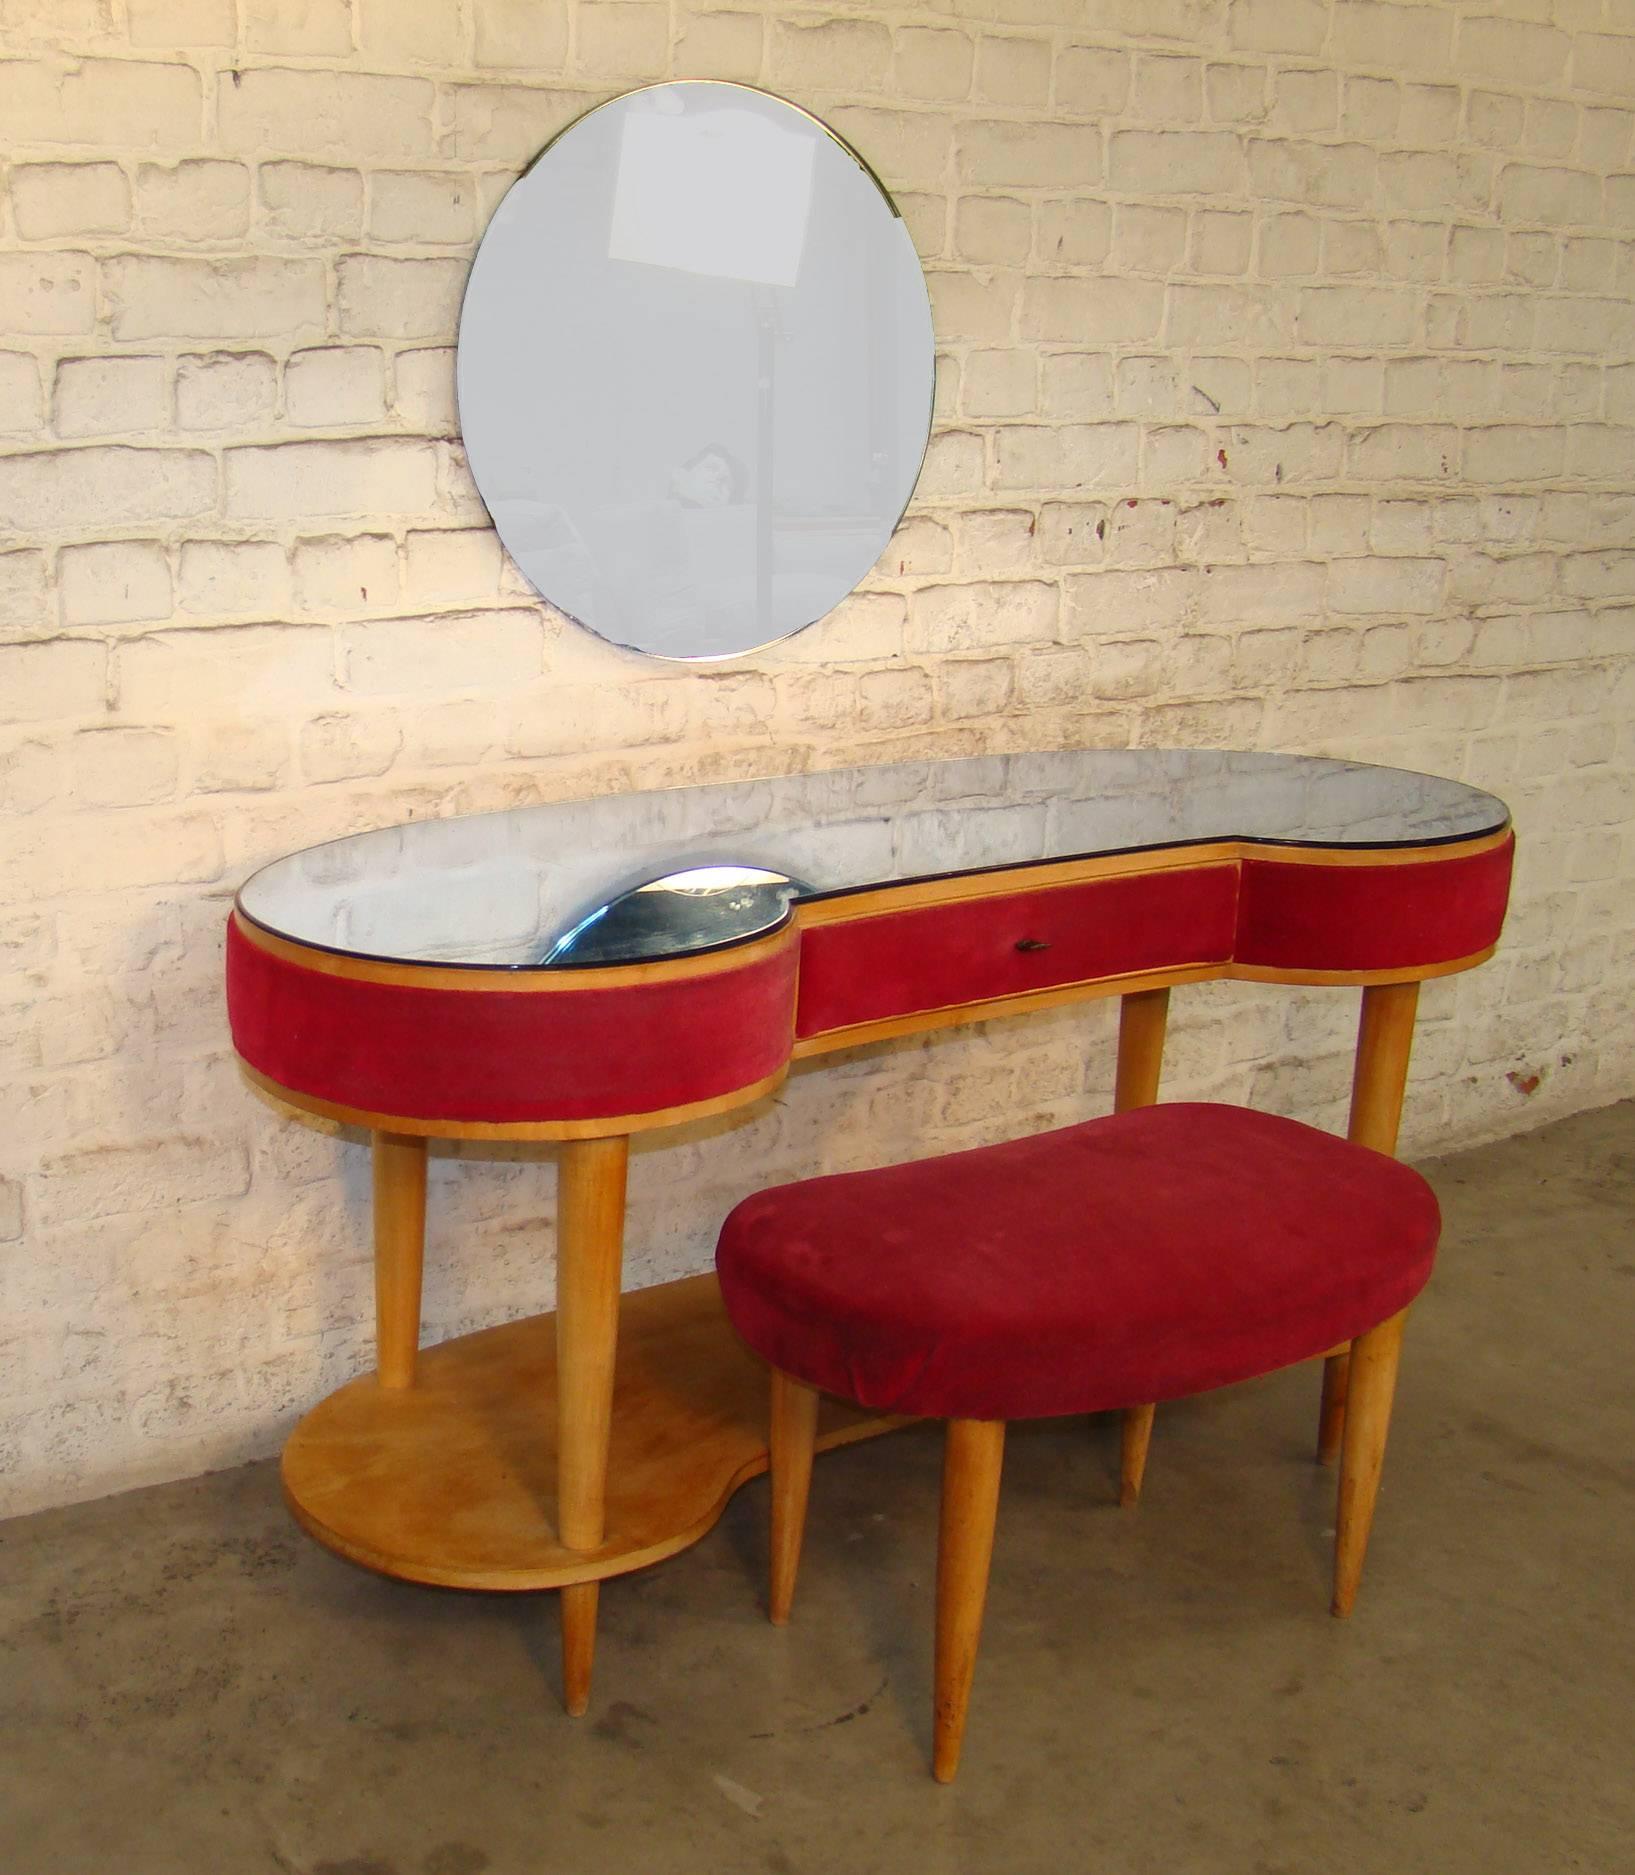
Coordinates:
(1385, 917)
(1270, 914)
(938, 956)
(1126, 1260)
(564, 1053)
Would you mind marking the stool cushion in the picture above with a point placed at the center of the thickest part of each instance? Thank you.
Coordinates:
(1126, 1260)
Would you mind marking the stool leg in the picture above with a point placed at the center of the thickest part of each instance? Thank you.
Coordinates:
(1374, 1359)
(1135, 1435)
(973, 1453)
(794, 1428)
(1331, 1420)
(1143, 1018)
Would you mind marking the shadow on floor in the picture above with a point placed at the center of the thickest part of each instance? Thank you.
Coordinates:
(187, 1684)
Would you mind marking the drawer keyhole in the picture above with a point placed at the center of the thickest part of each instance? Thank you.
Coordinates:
(1032, 944)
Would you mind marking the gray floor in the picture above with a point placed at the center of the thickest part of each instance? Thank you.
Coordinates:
(188, 1684)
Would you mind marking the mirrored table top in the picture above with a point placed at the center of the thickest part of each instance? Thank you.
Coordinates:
(637, 877)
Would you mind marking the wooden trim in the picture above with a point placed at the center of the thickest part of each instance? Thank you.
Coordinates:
(1001, 881)
(1374, 1359)
(590, 1210)
(577, 1613)
(480, 977)
(399, 1164)
(1379, 1079)
(880, 901)
(454, 1481)
(1379, 1084)
(827, 1040)
(1143, 1021)
(1373, 856)
(1004, 882)
(590, 1206)
(973, 1458)
(793, 1418)
(1405, 973)
(602, 1127)
(1134, 1442)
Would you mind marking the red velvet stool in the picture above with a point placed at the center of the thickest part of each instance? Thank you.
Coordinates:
(1110, 1265)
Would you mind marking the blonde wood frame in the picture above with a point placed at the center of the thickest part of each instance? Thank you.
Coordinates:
(793, 1421)
(1379, 1081)
(1029, 1002)
(400, 1241)
(884, 901)
(1374, 1358)
(1002, 881)
(539, 1132)
(589, 1266)
(405, 1472)
(1143, 1022)
(973, 1458)
(455, 1480)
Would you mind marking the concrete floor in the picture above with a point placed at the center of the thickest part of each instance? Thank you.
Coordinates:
(187, 1684)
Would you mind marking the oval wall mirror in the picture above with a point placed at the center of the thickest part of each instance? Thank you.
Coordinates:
(695, 370)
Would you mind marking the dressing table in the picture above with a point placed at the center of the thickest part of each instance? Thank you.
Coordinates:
(696, 372)
(580, 972)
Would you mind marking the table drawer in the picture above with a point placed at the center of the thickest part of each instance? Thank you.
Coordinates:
(1002, 944)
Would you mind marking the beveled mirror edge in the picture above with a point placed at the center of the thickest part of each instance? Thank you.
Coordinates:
(722, 84)
(850, 149)
(1488, 831)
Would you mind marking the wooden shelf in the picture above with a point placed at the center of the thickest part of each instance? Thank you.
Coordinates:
(453, 1480)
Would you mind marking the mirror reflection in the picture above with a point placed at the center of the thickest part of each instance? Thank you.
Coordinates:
(680, 869)
(695, 370)
(694, 908)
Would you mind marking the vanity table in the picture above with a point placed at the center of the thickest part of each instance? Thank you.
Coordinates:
(580, 972)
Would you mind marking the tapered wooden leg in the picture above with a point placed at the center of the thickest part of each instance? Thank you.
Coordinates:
(1331, 1419)
(973, 1453)
(1379, 1079)
(578, 1612)
(400, 1248)
(1135, 1435)
(794, 1428)
(1374, 1358)
(1143, 1016)
(589, 1259)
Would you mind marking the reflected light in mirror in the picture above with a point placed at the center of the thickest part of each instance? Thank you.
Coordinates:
(695, 370)
(690, 909)
(722, 192)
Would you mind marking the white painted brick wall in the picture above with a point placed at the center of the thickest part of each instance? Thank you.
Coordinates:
(1286, 397)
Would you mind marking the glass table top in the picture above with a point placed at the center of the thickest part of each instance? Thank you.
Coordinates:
(639, 877)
